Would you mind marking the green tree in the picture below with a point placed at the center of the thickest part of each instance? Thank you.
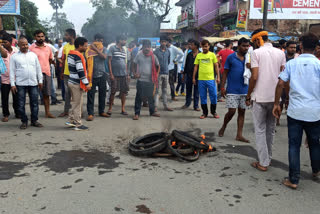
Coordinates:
(62, 22)
(130, 17)
(109, 20)
(28, 20)
(146, 15)
(56, 4)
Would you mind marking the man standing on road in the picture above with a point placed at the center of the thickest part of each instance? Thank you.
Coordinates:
(188, 75)
(176, 55)
(206, 64)
(236, 89)
(45, 56)
(70, 36)
(119, 74)
(304, 107)
(222, 58)
(146, 69)
(78, 82)
(266, 64)
(96, 56)
(26, 77)
(163, 55)
(5, 80)
(290, 54)
(181, 83)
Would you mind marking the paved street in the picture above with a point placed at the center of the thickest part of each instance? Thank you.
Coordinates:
(56, 170)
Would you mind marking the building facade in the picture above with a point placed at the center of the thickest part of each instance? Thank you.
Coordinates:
(220, 18)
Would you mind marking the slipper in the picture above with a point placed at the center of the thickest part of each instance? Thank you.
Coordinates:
(203, 116)
(109, 113)
(124, 113)
(259, 167)
(288, 184)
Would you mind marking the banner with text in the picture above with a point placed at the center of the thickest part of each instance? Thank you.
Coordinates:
(286, 9)
(242, 18)
(9, 7)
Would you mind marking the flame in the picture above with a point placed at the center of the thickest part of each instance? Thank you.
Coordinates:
(173, 143)
(195, 152)
(203, 137)
(210, 148)
(202, 143)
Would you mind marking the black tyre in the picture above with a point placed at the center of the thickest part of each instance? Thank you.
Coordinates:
(181, 156)
(160, 145)
(148, 140)
(187, 139)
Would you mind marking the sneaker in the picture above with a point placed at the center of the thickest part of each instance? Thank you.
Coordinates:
(81, 128)
(70, 124)
(183, 94)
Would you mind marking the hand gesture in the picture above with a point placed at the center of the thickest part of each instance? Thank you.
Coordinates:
(111, 77)
(194, 81)
(14, 89)
(88, 87)
(276, 111)
(40, 86)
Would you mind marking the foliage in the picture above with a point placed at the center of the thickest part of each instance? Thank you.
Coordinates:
(55, 4)
(130, 17)
(62, 23)
(28, 20)
(107, 20)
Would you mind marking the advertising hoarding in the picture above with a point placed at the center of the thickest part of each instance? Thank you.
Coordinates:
(242, 18)
(286, 9)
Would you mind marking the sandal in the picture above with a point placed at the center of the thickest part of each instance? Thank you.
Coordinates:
(203, 116)
(136, 117)
(124, 113)
(288, 184)
(259, 167)
(109, 113)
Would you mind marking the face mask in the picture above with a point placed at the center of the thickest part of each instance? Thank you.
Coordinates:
(215, 48)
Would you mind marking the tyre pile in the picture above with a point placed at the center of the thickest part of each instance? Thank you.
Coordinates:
(183, 145)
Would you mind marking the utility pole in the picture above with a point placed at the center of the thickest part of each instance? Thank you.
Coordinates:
(265, 14)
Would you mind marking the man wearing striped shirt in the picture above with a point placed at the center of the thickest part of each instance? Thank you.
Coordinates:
(119, 76)
(77, 82)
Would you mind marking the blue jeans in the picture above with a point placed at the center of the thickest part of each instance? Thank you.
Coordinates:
(295, 132)
(180, 84)
(206, 86)
(33, 93)
(144, 90)
(189, 86)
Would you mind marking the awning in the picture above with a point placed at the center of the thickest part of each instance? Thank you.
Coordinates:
(220, 39)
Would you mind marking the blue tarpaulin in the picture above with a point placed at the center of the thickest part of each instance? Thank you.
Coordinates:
(272, 36)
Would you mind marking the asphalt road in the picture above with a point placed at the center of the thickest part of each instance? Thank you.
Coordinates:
(56, 170)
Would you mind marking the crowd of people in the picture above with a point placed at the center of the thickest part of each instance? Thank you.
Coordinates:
(256, 75)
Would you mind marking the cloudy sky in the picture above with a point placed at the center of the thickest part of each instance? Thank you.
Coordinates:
(79, 10)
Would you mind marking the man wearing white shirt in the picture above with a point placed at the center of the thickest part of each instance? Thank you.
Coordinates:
(176, 55)
(26, 76)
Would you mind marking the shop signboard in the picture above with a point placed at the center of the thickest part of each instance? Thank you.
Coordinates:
(286, 9)
(9, 7)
